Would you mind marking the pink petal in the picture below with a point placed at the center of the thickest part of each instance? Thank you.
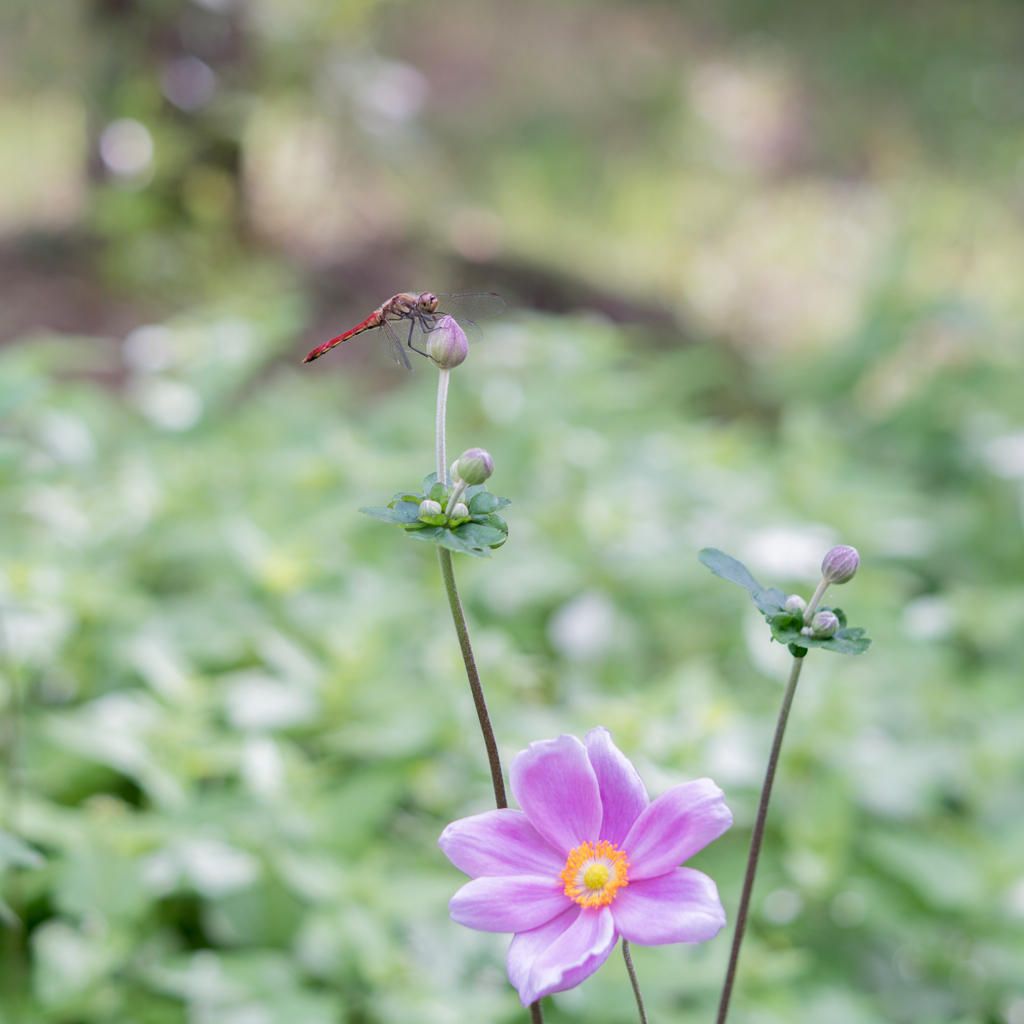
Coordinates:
(556, 786)
(499, 843)
(527, 946)
(682, 906)
(571, 957)
(508, 904)
(674, 827)
(623, 795)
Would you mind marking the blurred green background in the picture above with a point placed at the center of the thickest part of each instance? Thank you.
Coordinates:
(763, 265)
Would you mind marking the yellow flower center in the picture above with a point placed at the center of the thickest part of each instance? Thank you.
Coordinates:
(594, 872)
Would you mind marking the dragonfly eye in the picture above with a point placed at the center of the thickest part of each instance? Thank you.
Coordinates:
(428, 302)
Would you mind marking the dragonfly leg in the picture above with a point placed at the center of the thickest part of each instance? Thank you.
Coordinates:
(415, 322)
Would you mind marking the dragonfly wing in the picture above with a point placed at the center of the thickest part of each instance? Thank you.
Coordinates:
(471, 306)
(473, 333)
(422, 326)
(393, 338)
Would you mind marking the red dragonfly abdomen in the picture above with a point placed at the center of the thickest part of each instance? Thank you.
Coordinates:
(373, 320)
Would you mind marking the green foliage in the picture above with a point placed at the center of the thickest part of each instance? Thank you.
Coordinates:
(787, 628)
(232, 713)
(244, 719)
(475, 535)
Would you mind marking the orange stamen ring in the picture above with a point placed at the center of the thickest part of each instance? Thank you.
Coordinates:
(594, 873)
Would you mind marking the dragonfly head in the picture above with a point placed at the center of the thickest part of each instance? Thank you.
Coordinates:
(428, 302)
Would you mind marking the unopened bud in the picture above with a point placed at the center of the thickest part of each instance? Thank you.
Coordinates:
(460, 511)
(795, 604)
(824, 624)
(474, 467)
(839, 565)
(447, 344)
(430, 508)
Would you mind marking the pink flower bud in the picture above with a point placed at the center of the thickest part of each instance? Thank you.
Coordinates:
(474, 466)
(447, 344)
(840, 564)
(824, 624)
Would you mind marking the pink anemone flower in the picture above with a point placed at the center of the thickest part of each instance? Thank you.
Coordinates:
(587, 859)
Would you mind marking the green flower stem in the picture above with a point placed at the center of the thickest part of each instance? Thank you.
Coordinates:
(444, 556)
(456, 496)
(812, 605)
(632, 980)
(442, 405)
(757, 838)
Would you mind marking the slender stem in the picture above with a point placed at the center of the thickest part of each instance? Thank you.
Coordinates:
(816, 597)
(442, 405)
(757, 839)
(536, 1013)
(456, 496)
(444, 556)
(632, 980)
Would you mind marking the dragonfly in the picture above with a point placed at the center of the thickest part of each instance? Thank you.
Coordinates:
(405, 320)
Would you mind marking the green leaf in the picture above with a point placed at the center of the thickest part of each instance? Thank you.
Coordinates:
(769, 600)
(16, 852)
(492, 520)
(384, 514)
(482, 503)
(485, 502)
(729, 568)
(439, 493)
(407, 511)
(480, 535)
(428, 533)
(454, 542)
(408, 496)
(787, 630)
(428, 482)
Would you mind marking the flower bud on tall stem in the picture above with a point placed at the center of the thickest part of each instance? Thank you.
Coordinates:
(838, 566)
(447, 344)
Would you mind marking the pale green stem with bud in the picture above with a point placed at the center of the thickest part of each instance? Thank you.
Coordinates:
(442, 406)
(444, 558)
(457, 492)
(812, 605)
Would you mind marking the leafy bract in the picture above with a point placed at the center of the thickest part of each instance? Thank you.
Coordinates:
(769, 600)
(787, 628)
(476, 535)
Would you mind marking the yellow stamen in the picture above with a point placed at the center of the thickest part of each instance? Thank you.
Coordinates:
(594, 873)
